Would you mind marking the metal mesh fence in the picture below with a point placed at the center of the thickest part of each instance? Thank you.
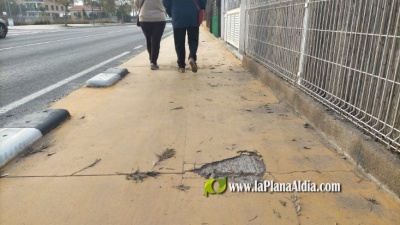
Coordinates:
(345, 53)
(232, 4)
(274, 35)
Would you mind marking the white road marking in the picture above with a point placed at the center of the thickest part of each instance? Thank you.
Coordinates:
(137, 47)
(66, 39)
(26, 32)
(28, 98)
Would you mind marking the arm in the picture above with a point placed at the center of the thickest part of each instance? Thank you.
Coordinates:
(167, 6)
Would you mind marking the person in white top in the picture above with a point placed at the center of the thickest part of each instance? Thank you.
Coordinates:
(152, 17)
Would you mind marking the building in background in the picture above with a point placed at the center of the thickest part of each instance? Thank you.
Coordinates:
(42, 8)
(84, 11)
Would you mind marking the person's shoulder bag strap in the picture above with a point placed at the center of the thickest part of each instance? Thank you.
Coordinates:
(197, 5)
(201, 12)
(141, 6)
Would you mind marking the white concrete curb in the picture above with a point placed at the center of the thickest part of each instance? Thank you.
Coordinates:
(15, 140)
(107, 78)
(103, 80)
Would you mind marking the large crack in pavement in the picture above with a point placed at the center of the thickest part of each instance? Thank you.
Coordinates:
(245, 168)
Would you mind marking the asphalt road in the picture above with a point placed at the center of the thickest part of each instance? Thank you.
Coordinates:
(35, 63)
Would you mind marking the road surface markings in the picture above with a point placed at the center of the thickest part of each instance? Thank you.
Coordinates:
(66, 39)
(26, 32)
(28, 98)
(137, 47)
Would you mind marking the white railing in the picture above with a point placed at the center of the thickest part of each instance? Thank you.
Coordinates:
(344, 53)
(232, 27)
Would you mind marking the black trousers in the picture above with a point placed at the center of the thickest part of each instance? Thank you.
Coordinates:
(153, 32)
(193, 41)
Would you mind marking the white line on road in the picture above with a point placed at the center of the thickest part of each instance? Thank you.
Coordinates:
(137, 47)
(56, 85)
(66, 39)
(23, 32)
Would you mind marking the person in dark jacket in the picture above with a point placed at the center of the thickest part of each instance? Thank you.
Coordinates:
(185, 18)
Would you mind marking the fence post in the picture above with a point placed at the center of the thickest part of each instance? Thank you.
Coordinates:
(223, 14)
(243, 28)
(303, 44)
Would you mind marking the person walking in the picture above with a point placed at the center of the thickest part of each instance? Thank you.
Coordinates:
(185, 19)
(152, 17)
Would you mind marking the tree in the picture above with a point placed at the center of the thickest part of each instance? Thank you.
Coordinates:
(109, 6)
(101, 4)
(134, 9)
(123, 8)
(66, 4)
(84, 14)
(92, 4)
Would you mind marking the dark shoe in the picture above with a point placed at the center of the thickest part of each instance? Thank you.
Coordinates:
(181, 69)
(154, 66)
(193, 65)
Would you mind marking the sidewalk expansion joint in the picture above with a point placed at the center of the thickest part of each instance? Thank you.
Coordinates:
(307, 171)
(4, 176)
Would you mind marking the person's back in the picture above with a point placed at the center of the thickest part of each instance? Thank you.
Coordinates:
(184, 13)
(150, 10)
(185, 19)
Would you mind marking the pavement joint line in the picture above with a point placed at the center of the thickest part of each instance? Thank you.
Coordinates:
(306, 171)
(79, 175)
(30, 97)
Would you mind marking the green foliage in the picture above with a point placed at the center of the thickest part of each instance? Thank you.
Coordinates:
(84, 14)
(66, 4)
(108, 5)
(123, 10)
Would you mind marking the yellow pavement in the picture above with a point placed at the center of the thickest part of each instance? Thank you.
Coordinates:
(206, 117)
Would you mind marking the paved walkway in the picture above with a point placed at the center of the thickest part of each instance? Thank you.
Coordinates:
(205, 117)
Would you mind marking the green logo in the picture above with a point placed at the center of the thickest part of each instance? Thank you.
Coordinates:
(208, 186)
